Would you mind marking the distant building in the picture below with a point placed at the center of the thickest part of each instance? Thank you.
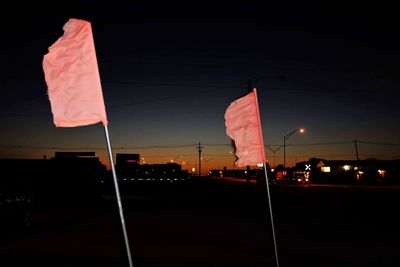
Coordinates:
(248, 173)
(352, 171)
(128, 168)
(168, 170)
(127, 164)
(69, 177)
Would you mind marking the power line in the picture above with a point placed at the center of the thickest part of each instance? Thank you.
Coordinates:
(287, 89)
(212, 88)
(323, 143)
(378, 143)
(306, 144)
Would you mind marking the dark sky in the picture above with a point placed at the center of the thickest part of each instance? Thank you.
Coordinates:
(169, 71)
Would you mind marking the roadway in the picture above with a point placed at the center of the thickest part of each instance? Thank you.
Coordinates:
(217, 223)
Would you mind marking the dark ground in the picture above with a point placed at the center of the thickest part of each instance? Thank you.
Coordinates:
(217, 224)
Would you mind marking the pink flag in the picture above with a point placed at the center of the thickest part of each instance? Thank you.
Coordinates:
(73, 79)
(242, 120)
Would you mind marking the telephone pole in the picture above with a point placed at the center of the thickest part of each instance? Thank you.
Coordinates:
(355, 144)
(199, 149)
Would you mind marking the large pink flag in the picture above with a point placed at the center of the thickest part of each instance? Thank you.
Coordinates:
(73, 79)
(242, 120)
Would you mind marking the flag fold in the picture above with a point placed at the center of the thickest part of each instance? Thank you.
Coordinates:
(72, 77)
(242, 121)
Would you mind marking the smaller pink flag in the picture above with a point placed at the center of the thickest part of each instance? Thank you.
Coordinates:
(73, 79)
(243, 126)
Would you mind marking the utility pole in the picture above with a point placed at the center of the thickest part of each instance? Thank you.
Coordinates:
(300, 130)
(199, 149)
(355, 144)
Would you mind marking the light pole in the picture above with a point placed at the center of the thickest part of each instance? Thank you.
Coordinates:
(286, 137)
(273, 151)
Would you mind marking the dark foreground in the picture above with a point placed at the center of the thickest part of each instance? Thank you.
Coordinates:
(207, 223)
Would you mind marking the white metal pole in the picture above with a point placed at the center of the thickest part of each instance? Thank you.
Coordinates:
(272, 218)
(266, 175)
(121, 213)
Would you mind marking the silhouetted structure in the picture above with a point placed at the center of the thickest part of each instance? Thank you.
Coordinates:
(74, 154)
(67, 179)
(129, 168)
(127, 165)
(248, 173)
(352, 171)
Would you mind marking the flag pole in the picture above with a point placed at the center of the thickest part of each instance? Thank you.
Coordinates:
(266, 178)
(272, 219)
(121, 213)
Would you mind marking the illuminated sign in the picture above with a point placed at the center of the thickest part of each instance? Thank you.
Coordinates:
(326, 169)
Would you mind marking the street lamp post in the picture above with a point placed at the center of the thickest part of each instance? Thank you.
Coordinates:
(286, 137)
(273, 151)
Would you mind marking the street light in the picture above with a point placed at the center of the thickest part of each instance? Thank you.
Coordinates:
(174, 159)
(273, 151)
(286, 137)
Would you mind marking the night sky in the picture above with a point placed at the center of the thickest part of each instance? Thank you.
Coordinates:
(170, 70)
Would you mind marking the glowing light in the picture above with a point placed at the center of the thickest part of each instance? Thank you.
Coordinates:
(193, 169)
(260, 165)
(302, 130)
(346, 167)
(382, 173)
(326, 169)
(272, 170)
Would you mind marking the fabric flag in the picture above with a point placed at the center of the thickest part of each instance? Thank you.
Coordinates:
(73, 79)
(242, 120)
